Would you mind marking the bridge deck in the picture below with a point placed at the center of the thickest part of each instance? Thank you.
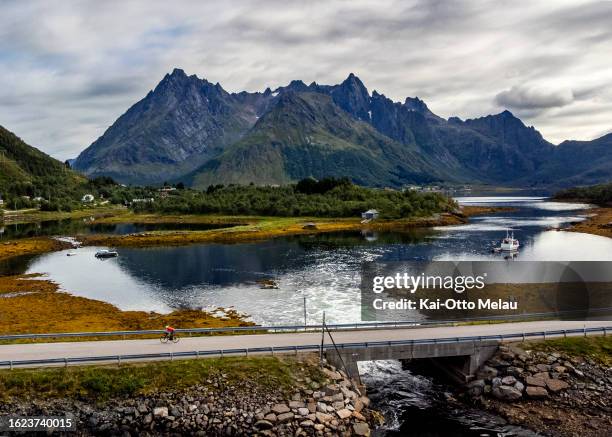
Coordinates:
(18, 352)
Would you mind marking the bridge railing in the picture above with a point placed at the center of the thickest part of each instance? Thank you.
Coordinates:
(315, 327)
(303, 348)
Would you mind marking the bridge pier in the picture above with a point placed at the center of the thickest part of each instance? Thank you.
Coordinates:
(459, 360)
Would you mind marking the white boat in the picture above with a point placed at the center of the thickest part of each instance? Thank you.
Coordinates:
(105, 253)
(509, 244)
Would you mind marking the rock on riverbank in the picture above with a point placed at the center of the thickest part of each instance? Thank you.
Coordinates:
(220, 408)
(551, 392)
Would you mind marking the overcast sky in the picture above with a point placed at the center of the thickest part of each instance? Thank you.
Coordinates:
(68, 69)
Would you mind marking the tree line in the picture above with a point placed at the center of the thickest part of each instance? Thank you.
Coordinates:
(329, 197)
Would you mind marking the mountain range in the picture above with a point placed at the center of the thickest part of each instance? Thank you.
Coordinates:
(191, 130)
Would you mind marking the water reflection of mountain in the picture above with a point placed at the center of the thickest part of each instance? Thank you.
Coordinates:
(214, 264)
(88, 226)
(335, 240)
(217, 264)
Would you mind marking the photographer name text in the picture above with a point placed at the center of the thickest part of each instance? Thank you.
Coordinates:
(444, 304)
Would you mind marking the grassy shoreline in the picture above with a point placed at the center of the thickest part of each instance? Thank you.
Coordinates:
(599, 223)
(32, 304)
(95, 383)
(243, 228)
(30, 246)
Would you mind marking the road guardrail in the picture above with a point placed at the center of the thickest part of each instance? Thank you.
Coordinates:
(306, 328)
(301, 348)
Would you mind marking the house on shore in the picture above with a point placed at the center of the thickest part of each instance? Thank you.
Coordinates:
(370, 214)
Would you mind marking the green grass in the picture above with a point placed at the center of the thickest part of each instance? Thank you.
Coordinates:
(597, 348)
(104, 382)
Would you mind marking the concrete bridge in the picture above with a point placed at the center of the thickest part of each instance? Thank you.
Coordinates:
(459, 360)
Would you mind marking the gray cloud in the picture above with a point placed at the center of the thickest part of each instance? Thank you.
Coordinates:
(521, 97)
(69, 69)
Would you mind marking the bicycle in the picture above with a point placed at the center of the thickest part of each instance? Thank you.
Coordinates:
(166, 338)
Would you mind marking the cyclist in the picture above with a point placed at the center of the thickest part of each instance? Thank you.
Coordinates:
(170, 332)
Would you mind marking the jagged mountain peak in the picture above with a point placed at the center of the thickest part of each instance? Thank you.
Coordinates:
(352, 96)
(416, 104)
(186, 122)
(178, 72)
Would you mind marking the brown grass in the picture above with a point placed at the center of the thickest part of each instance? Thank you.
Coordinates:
(262, 229)
(30, 246)
(470, 211)
(40, 308)
(599, 224)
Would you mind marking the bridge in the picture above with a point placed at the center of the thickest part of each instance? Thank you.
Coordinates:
(458, 349)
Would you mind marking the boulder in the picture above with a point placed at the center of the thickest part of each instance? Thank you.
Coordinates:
(270, 417)
(556, 385)
(358, 416)
(281, 408)
(536, 382)
(338, 405)
(263, 424)
(361, 429)
(296, 404)
(303, 411)
(323, 417)
(541, 375)
(514, 371)
(285, 417)
(160, 412)
(506, 393)
(476, 387)
(536, 392)
(543, 367)
(486, 372)
(344, 413)
(335, 376)
(358, 405)
(519, 386)
(509, 380)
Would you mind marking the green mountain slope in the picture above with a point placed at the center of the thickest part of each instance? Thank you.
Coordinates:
(306, 134)
(26, 171)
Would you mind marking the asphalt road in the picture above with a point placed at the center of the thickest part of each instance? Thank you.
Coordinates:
(17, 352)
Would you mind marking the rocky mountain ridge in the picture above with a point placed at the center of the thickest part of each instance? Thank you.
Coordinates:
(190, 129)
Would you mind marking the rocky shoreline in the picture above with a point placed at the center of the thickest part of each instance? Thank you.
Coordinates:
(219, 407)
(551, 392)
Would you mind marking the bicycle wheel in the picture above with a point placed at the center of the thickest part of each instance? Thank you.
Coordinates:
(164, 339)
(175, 339)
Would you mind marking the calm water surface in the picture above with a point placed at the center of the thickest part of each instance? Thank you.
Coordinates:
(87, 226)
(323, 268)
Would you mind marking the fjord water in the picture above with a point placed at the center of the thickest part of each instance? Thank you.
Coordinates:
(88, 226)
(323, 268)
